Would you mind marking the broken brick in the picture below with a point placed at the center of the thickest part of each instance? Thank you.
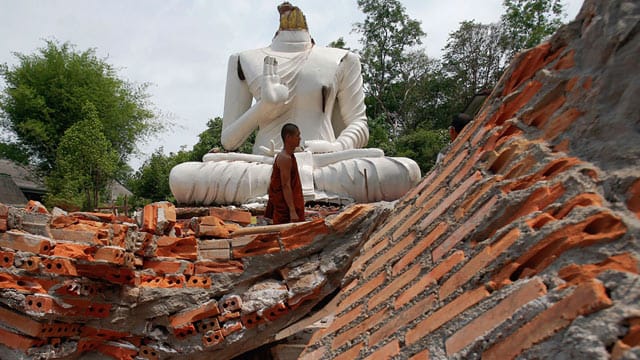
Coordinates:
(194, 281)
(18, 342)
(574, 274)
(231, 327)
(161, 267)
(212, 338)
(633, 198)
(210, 266)
(261, 244)
(303, 235)
(179, 248)
(204, 311)
(585, 299)
(26, 242)
(6, 259)
(60, 266)
(238, 216)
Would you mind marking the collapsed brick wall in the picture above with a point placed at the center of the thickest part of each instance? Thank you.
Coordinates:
(523, 242)
(197, 285)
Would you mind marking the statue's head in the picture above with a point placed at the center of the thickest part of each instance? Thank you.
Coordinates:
(291, 17)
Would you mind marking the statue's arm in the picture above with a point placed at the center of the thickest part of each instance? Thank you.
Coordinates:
(238, 119)
(351, 100)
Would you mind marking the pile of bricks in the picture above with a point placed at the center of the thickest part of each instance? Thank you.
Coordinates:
(171, 284)
(523, 242)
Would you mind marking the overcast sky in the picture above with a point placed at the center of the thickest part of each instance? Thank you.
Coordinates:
(181, 47)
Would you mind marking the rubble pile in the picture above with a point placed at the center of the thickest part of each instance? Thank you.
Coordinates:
(524, 241)
(177, 283)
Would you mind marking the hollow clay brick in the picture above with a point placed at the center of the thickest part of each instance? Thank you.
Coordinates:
(21, 323)
(26, 242)
(6, 259)
(212, 338)
(420, 247)
(117, 352)
(231, 327)
(303, 235)
(110, 254)
(252, 320)
(73, 250)
(395, 285)
(388, 351)
(60, 266)
(116, 275)
(205, 325)
(27, 285)
(445, 313)
(31, 264)
(148, 353)
(195, 281)
(478, 263)
(491, 318)
(204, 311)
(585, 299)
(574, 274)
(400, 320)
(430, 278)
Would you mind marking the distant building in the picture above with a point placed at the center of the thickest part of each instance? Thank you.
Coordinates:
(19, 183)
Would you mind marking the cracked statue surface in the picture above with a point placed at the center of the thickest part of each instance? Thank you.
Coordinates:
(320, 90)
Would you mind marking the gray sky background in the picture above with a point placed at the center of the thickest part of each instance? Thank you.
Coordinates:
(181, 47)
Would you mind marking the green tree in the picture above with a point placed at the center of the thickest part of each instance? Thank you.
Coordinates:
(46, 92)
(527, 22)
(474, 58)
(388, 37)
(85, 161)
(151, 181)
(339, 44)
(422, 146)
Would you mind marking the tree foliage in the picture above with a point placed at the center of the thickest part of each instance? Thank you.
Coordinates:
(527, 22)
(388, 37)
(85, 161)
(46, 92)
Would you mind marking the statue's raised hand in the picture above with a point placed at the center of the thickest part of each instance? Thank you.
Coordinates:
(273, 93)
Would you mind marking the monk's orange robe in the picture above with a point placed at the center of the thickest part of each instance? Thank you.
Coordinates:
(277, 209)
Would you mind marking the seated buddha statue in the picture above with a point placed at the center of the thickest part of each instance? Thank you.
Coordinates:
(320, 90)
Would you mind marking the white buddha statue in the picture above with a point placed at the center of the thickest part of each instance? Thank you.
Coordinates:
(320, 90)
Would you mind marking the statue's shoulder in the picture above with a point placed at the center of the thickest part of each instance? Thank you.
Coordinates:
(334, 55)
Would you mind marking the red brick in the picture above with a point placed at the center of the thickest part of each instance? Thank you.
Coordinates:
(4, 211)
(422, 355)
(195, 281)
(231, 327)
(316, 354)
(110, 254)
(384, 258)
(213, 338)
(107, 272)
(512, 104)
(20, 323)
(26, 242)
(445, 313)
(449, 200)
(6, 259)
(431, 200)
(261, 244)
(444, 173)
(430, 279)
(405, 222)
(73, 250)
(60, 266)
(349, 216)
(148, 353)
(386, 352)
(586, 298)
(529, 63)
(179, 248)
(204, 311)
(116, 351)
(400, 320)
(303, 235)
(356, 267)
(275, 312)
(478, 263)
(543, 111)
(411, 194)
(567, 61)
(600, 227)
(457, 178)
(209, 266)
(463, 230)
(19, 342)
(560, 123)
(394, 286)
(582, 200)
(471, 199)
(633, 198)
(421, 246)
(29, 285)
(352, 333)
(161, 267)
(205, 325)
(252, 320)
(493, 317)
(3, 225)
(235, 215)
(364, 289)
(350, 354)
(555, 167)
(342, 320)
(165, 281)
(31, 264)
(574, 274)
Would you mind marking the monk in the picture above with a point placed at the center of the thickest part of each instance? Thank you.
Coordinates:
(286, 202)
